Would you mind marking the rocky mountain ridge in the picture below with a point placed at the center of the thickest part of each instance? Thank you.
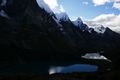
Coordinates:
(30, 33)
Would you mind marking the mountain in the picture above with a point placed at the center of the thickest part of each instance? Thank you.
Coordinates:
(44, 6)
(70, 30)
(31, 32)
(99, 28)
(96, 38)
(62, 16)
(78, 22)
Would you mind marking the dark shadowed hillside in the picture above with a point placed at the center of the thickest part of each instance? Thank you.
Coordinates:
(30, 34)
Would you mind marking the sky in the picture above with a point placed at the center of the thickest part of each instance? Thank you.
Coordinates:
(92, 12)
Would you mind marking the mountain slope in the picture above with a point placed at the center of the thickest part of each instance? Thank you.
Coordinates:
(94, 39)
(34, 33)
(79, 23)
(31, 33)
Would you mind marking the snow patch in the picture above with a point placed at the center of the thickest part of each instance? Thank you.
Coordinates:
(90, 30)
(57, 21)
(3, 14)
(62, 16)
(60, 25)
(98, 28)
(78, 22)
(94, 56)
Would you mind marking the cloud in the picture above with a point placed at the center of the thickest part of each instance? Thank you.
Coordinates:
(116, 3)
(101, 2)
(62, 9)
(52, 4)
(56, 8)
(107, 20)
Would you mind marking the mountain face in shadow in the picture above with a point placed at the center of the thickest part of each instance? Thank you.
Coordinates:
(29, 33)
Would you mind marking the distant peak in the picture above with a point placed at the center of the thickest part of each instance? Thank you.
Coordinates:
(78, 22)
(99, 28)
(79, 19)
(62, 16)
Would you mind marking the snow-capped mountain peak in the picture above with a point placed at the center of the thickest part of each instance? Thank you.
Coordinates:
(79, 19)
(78, 22)
(99, 28)
(44, 6)
(62, 16)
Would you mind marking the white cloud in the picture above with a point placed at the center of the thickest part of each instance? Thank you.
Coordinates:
(101, 2)
(62, 9)
(55, 6)
(116, 5)
(107, 20)
(51, 3)
(104, 17)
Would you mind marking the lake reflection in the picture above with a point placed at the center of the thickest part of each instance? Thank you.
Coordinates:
(73, 68)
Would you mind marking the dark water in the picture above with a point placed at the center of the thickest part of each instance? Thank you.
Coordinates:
(36, 68)
(33, 68)
(73, 68)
